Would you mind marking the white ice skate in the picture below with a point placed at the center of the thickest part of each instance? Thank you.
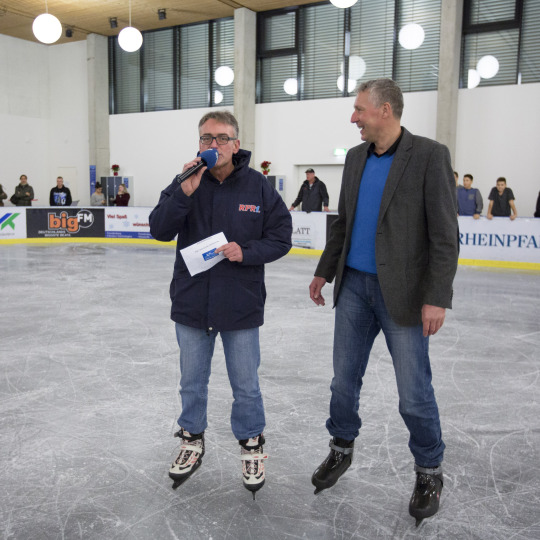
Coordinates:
(253, 457)
(190, 457)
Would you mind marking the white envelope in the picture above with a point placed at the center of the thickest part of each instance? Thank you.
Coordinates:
(201, 256)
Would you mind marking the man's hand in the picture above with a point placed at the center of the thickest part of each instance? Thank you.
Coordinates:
(432, 319)
(232, 251)
(476, 216)
(190, 184)
(326, 209)
(315, 290)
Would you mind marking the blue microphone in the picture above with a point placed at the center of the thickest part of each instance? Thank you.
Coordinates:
(208, 159)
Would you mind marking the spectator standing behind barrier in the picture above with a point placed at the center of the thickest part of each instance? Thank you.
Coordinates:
(60, 195)
(469, 199)
(313, 194)
(122, 197)
(393, 252)
(501, 201)
(3, 195)
(24, 193)
(97, 198)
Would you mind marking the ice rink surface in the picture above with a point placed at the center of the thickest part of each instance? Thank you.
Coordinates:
(88, 403)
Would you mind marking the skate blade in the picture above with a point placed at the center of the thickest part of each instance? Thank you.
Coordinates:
(318, 490)
(178, 482)
(418, 521)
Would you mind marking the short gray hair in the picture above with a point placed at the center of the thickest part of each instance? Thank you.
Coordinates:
(223, 117)
(382, 91)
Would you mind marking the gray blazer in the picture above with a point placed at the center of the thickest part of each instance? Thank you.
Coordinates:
(416, 247)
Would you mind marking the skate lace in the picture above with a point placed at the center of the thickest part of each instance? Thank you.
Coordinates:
(185, 455)
(252, 465)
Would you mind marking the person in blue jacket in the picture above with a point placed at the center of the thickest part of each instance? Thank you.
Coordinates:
(229, 297)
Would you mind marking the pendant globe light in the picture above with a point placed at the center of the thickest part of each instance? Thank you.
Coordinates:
(130, 39)
(343, 3)
(47, 27)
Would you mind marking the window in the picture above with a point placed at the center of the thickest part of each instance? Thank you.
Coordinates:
(500, 42)
(175, 68)
(319, 51)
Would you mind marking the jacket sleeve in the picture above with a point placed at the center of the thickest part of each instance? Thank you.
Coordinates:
(479, 202)
(443, 241)
(324, 193)
(168, 217)
(51, 197)
(69, 200)
(275, 241)
(298, 199)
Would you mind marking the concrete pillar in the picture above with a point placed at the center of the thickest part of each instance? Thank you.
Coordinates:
(449, 56)
(245, 45)
(98, 104)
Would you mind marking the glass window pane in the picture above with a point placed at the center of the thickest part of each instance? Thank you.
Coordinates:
(127, 88)
(194, 70)
(417, 69)
(223, 49)
(158, 77)
(372, 34)
(279, 31)
(529, 64)
(502, 45)
(273, 73)
(486, 11)
(322, 51)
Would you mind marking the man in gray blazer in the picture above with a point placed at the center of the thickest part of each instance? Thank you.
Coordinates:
(393, 252)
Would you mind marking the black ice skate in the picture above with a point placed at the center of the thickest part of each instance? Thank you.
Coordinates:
(337, 462)
(190, 457)
(427, 492)
(253, 457)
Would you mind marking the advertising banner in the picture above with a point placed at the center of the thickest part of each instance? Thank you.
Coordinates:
(500, 239)
(12, 222)
(309, 230)
(68, 222)
(127, 222)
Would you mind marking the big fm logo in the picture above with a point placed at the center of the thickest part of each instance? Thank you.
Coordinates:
(71, 224)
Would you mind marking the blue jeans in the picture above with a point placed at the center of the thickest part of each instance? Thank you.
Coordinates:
(242, 358)
(360, 315)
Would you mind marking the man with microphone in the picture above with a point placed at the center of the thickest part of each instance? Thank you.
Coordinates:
(224, 196)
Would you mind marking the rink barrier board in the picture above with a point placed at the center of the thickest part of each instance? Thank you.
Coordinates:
(504, 244)
(294, 251)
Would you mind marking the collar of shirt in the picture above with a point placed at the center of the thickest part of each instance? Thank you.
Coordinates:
(390, 151)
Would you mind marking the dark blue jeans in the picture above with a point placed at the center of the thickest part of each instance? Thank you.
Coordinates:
(360, 315)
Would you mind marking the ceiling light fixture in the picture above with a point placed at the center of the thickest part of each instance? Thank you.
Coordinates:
(47, 27)
(130, 39)
(113, 21)
(343, 3)
(161, 14)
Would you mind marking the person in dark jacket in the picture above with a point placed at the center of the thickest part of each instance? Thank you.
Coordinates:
(24, 193)
(313, 194)
(60, 195)
(229, 297)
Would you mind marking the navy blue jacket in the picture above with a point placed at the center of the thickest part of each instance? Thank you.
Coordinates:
(250, 212)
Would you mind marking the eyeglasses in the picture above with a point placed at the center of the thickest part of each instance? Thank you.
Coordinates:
(220, 139)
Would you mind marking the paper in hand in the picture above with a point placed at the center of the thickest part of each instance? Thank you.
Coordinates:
(202, 256)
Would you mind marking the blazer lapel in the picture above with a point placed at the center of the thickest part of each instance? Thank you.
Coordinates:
(401, 158)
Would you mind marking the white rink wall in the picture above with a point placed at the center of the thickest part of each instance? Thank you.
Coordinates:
(44, 132)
